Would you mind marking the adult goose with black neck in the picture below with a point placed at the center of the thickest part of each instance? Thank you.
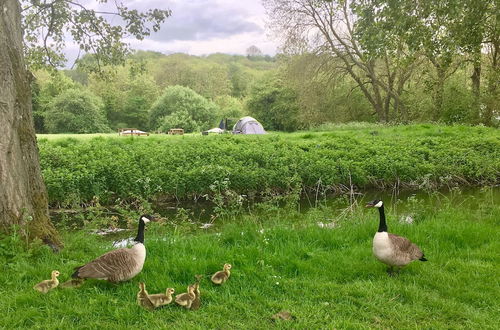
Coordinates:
(118, 265)
(393, 250)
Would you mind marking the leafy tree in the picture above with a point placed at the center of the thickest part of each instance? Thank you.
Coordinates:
(229, 107)
(206, 78)
(253, 51)
(76, 111)
(274, 104)
(178, 102)
(39, 28)
(127, 97)
(179, 119)
(328, 28)
(45, 87)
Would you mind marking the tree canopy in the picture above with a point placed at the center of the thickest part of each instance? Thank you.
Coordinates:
(182, 107)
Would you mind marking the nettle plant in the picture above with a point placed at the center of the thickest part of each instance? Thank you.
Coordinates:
(228, 203)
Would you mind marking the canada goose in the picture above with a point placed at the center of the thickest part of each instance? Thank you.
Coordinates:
(393, 250)
(118, 265)
(186, 299)
(143, 297)
(197, 300)
(161, 299)
(222, 275)
(47, 285)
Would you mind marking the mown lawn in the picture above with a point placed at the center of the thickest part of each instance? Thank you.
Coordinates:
(326, 277)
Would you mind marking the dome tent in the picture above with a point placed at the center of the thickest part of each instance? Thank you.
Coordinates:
(248, 125)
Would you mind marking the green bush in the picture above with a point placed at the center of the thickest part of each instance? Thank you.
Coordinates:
(416, 156)
(184, 108)
(274, 104)
(75, 111)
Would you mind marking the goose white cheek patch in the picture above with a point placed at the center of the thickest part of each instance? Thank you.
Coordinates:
(146, 220)
(379, 204)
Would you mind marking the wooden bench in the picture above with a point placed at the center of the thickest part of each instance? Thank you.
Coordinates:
(176, 131)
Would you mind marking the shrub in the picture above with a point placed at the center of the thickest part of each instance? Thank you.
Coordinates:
(180, 105)
(274, 104)
(75, 111)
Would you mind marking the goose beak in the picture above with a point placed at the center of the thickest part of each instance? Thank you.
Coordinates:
(369, 205)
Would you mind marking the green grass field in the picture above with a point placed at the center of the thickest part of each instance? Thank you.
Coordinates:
(326, 277)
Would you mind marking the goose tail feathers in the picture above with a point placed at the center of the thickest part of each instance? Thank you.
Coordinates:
(75, 274)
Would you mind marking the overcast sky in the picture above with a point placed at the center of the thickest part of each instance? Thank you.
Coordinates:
(201, 27)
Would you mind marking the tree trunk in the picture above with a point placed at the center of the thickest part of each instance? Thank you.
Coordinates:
(476, 88)
(438, 94)
(23, 197)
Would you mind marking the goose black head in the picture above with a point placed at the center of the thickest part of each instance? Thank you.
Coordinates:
(146, 218)
(375, 203)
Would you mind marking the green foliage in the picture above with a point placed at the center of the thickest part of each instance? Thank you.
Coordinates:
(274, 104)
(47, 27)
(44, 88)
(175, 167)
(181, 106)
(77, 111)
(326, 277)
(229, 107)
(127, 97)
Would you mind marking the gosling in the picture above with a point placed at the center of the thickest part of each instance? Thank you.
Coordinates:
(222, 275)
(161, 299)
(197, 300)
(143, 297)
(47, 285)
(186, 299)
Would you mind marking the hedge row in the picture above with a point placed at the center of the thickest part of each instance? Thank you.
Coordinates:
(76, 171)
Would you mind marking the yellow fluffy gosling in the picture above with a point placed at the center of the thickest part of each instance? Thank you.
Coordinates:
(197, 300)
(186, 299)
(47, 285)
(222, 275)
(143, 297)
(161, 299)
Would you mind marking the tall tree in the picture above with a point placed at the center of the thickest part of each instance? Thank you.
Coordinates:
(448, 33)
(23, 197)
(330, 28)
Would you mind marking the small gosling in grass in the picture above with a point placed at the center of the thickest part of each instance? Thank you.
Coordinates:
(161, 299)
(186, 299)
(47, 285)
(222, 275)
(143, 297)
(73, 283)
(197, 300)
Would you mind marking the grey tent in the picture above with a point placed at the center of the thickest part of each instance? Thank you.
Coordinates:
(248, 125)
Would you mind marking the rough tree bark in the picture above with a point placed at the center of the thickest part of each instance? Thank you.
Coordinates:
(23, 197)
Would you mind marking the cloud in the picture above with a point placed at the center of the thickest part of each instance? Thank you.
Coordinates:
(205, 20)
(200, 27)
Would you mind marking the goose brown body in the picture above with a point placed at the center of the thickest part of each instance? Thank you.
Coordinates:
(394, 250)
(117, 265)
